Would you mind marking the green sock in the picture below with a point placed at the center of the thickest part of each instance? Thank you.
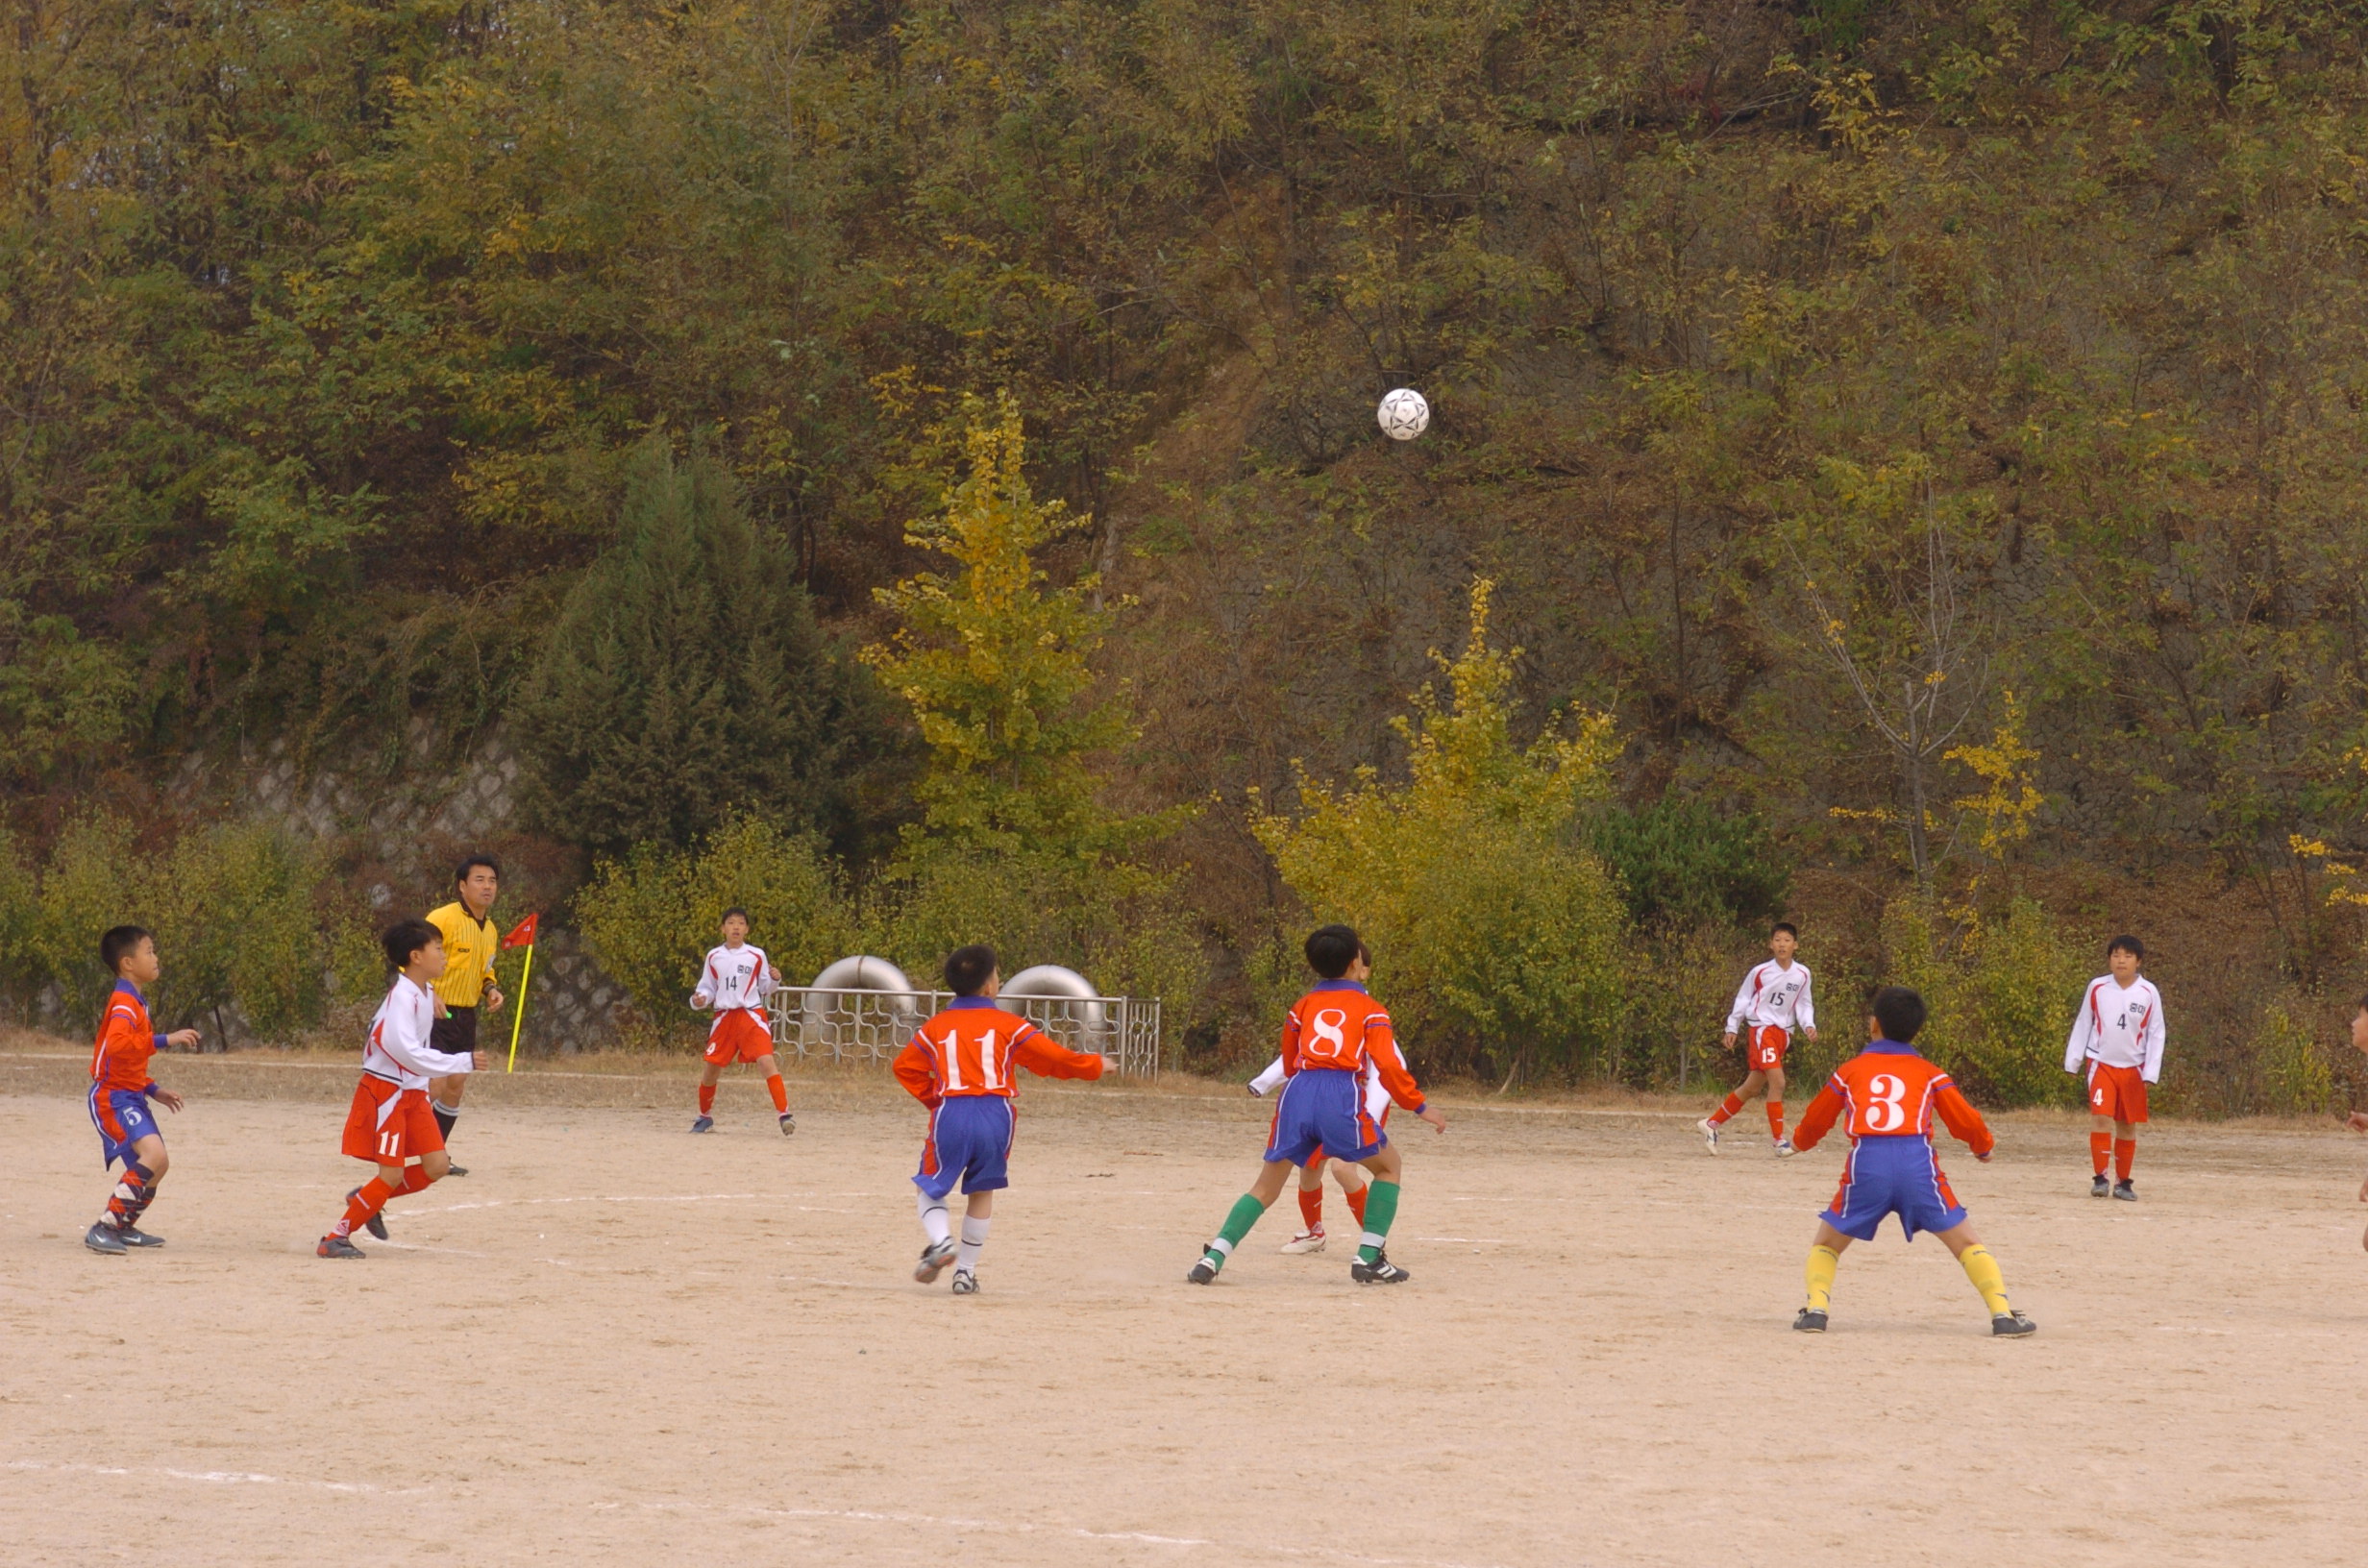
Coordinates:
(1245, 1212)
(1380, 1209)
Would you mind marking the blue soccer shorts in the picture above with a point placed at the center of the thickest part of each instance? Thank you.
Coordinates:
(970, 1141)
(1894, 1175)
(1324, 1108)
(122, 1120)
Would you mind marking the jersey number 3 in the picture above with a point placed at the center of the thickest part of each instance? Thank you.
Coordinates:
(1887, 1111)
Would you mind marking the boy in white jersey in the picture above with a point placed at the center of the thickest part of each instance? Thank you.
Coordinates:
(391, 1123)
(2118, 1039)
(736, 982)
(1770, 1005)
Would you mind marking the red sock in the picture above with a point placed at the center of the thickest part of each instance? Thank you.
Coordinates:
(1734, 1103)
(706, 1097)
(368, 1199)
(781, 1094)
(1311, 1207)
(2100, 1149)
(1356, 1203)
(1776, 1120)
(2125, 1155)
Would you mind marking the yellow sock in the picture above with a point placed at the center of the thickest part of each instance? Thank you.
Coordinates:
(1822, 1262)
(1988, 1278)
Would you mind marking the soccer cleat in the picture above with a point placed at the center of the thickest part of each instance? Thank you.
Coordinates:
(933, 1261)
(132, 1237)
(965, 1282)
(1204, 1272)
(1808, 1320)
(376, 1224)
(337, 1246)
(1305, 1242)
(1380, 1272)
(102, 1239)
(2100, 1187)
(2011, 1326)
(2123, 1190)
(704, 1124)
(458, 1171)
(789, 1124)
(1785, 1149)
(1709, 1130)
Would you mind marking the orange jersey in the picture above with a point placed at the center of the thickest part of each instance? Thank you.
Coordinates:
(970, 1048)
(1888, 1091)
(1338, 1025)
(127, 1039)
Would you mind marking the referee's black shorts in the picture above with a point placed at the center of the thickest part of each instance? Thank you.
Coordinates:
(456, 1032)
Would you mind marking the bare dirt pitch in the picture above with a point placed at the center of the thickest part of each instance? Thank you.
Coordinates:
(615, 1343)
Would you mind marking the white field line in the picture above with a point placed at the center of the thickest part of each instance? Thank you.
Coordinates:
(216, 1478)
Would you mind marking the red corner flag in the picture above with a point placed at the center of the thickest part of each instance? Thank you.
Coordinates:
(522, 935)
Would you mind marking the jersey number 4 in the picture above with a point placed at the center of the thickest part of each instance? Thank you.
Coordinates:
(1887, 1110)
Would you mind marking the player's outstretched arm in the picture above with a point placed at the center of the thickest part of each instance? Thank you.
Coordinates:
(1958, 1114)
(2357, 1121)
(1045, 1057)
(1819, 1120)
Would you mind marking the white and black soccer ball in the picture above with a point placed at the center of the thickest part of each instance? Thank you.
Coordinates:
(1403, 414)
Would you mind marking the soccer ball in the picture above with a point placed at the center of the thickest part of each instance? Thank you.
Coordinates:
(1403, 414)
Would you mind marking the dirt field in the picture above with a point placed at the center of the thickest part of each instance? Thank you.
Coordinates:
(615, 1343)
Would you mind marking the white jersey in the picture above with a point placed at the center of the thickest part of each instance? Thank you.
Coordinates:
(735, 978)
(1377, 1093)
(1771, 995)
(2118, 1028)
(398, 1051)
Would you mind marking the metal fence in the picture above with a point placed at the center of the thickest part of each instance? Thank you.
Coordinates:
(872, 1026)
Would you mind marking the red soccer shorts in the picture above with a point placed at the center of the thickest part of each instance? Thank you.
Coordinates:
(2118, 1092)
(388, 1125)
(738, 1036)
(1765, 1048)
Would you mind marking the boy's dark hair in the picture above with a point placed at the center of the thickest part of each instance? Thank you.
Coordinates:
(734, 910)
(1332, 948)
(405, 937)
(119, 943)
(460, 872)
(968, 969)
(2126, 944)
(1788, 928)
(1900, 1011)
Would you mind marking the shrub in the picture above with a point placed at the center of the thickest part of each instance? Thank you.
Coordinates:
(2296, 1078)
(2001, 989)
(651, 917)
(1496, 935)
(1690, 863)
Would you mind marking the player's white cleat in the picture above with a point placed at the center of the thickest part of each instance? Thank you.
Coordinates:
(933, 1261)
(1709, 1130)
(965, 1282)
(789, 1123)
(1305, 1242)
(1785, 1149)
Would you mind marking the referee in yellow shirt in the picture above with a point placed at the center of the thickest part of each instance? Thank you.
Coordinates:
(467, 987)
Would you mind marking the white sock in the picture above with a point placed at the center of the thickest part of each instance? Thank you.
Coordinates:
(973, 1237)
(933, 1218)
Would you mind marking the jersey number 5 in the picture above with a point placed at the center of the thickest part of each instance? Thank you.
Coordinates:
(1887, 1110)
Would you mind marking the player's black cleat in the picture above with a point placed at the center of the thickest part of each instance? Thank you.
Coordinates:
(1380, 1272)
(1204, 1272)
(2100, 1187)
(1808, 1320)
(456, 1170)
(2125, 1191)
(132, 1236)
(376, 1224)
(2011, 1326)
(789, 1123)
(704, 1124)
(337, 1246)
(103, 1240)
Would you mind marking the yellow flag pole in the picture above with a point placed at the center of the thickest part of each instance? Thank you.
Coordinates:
(520, 1022)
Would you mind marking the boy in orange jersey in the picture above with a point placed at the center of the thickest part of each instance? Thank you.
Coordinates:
(391, 1123)
(736, 982)
(2357, 1121)
(960, 1067)
(1331, 1033)
(1890, 1094)
(120, 1089)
